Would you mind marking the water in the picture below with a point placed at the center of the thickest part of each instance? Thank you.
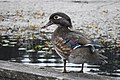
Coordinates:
(22, 50)
(41, 58)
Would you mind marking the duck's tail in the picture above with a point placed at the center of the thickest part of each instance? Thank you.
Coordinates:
(97, 57)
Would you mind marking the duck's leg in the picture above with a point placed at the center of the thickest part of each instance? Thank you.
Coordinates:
(64, 71)
(81, 71)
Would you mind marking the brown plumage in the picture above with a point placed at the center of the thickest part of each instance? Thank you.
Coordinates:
(72, 45)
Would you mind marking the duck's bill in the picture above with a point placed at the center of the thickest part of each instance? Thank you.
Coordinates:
(48, 24)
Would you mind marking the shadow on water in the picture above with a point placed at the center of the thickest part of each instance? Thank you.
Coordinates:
(44, 55)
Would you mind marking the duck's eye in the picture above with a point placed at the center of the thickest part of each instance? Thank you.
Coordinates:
(57, 17)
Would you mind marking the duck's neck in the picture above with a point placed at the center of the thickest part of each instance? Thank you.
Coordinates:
(60, 31)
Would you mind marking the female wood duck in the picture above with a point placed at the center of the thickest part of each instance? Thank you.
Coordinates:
(72, 45)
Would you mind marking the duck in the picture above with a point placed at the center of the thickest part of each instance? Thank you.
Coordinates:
(71, 45)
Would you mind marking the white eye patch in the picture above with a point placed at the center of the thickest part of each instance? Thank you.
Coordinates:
(57, 17)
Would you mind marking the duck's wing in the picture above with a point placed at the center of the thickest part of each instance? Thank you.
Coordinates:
(82, 38)
(70, 41)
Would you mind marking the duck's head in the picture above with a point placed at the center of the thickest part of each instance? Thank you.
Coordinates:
(60, 19)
